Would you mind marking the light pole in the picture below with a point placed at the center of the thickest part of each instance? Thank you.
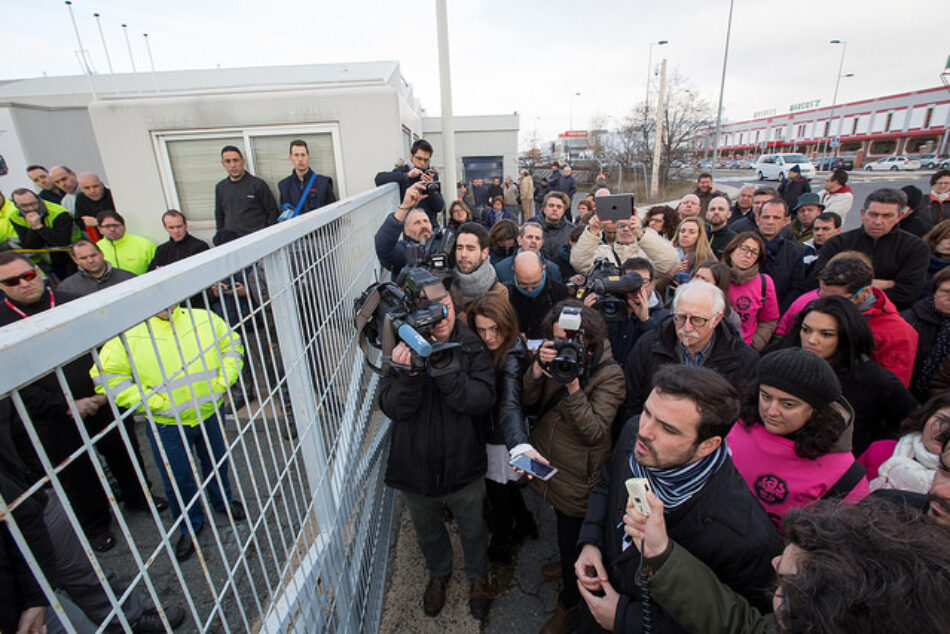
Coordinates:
(573, 94)
(722, 86)
(650, 66)
(834, 100)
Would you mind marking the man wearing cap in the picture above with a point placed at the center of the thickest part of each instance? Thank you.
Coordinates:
(805, 211)
(793, 186)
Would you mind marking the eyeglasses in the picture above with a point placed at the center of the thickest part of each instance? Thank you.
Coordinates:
(29, 206)
(695, 320)
(29, 276)
(748, 250)
(114, 225)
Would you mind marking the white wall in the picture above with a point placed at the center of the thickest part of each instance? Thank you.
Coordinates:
(490, 135)
(369, 120)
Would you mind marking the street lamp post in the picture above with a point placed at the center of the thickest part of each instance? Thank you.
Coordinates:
(573, 94)
(834, 101)
(650, 67)
(722, 85)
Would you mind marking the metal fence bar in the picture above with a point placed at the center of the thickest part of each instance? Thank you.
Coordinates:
(300, 443)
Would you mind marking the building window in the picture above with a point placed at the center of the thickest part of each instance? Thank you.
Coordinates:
(928, 116)
(190, 161)
(890, 117)
(883, 146)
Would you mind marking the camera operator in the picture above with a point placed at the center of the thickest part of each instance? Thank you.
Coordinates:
(437, 456)
(417, 171)
(408, 225)
(643, 310)
(573, 430)
(473, 274)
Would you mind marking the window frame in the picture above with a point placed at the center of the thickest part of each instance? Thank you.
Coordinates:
(160, 139)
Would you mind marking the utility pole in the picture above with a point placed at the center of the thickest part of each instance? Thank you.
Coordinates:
(445, 87)
(658, 137)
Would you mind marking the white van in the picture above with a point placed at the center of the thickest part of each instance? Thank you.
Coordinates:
(775, 166)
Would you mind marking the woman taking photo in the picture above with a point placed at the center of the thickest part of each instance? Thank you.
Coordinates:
(792, 443)
(751, 293)
(833, 329)
(573, 432)
(493, 318)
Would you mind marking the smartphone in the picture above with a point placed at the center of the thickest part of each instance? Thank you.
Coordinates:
(637, 489)
(532, 466)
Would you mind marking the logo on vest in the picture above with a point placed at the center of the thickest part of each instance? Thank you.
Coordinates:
(771, 489)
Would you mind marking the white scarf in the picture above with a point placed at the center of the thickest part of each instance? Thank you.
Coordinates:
(941, 197)
(911, 468)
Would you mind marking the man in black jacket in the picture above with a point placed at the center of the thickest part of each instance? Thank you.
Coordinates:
(180, 245)
(784, 257)
(794, 186)
(717, 224)
(291, 188)
(533, 293)
(242, 202)
(417, 171)
(694, 335)
(678, 446)
(900, 259)
(437, 457)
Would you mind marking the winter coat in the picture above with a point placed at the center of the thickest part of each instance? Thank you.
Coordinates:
(790, 190)
(505, 424)
(391, 245)
(839, 202)
(729, 356)
(438, 439)
(554, 236)
(898, 256)
(787, 270)
(879, 400)
(531, 311)
(573, 430)
(926, 321)
(658, 250)
(781, 479)
(505, 269)
(933, 210)
(433, 204)
(722, 525)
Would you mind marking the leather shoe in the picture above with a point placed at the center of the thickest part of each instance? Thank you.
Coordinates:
(185, 547)
(102, 542)
(480, 597)
(434, 597)
(151, 622)
(564, 621)
(237, 511)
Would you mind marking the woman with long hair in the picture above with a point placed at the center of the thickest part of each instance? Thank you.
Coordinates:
(495, 321)
(751, 292)
(692, 245)
(834, 329)
(791, 444)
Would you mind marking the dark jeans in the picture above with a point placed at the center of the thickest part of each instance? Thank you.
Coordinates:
(466, 505)
(506, 507)
(181, 469)
(568, 531)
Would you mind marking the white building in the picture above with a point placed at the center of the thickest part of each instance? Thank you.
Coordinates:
(156, 138)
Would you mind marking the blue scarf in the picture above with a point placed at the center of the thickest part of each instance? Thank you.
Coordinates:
(676, 486)
(536, 290)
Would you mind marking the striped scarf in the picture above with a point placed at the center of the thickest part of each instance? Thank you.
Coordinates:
(676, 486)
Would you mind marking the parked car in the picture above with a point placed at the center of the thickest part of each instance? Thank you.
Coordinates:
(776, 166)
(732, 164)
(944, 164)
(835, 163)
(931, 160)
(893, 164)
(678, 164)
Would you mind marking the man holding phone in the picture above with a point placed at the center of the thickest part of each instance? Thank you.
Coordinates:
(678, 445)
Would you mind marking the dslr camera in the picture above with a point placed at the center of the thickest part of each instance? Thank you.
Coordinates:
(433, 186)
(572, 360)
(611, 286)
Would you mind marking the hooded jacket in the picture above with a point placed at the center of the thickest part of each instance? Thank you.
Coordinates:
(781, 479)
(573, 430)
(925, 319)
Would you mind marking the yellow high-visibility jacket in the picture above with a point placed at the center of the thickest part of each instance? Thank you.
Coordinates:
(187, 379)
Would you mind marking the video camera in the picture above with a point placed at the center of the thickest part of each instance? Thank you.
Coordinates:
(408, 309)
(437, 254)
(611, 286)
(572, 359)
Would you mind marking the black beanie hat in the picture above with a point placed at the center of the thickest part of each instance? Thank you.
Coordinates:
(913, 196)
(802, 374)
(795, 168)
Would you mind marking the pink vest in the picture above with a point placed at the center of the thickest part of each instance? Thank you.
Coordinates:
(782, 480)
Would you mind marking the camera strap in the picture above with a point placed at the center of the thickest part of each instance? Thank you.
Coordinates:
(363, 316)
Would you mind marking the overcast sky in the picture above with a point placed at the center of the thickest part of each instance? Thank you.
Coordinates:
(511, 55)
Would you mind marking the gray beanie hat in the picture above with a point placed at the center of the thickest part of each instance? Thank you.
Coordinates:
(802, 374)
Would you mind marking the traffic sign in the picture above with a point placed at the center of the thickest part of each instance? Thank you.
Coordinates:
(835, 141)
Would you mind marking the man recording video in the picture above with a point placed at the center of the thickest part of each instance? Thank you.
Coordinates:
(437, 456)
(408, 225)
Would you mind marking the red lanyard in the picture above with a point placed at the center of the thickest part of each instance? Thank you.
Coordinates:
(52, 303)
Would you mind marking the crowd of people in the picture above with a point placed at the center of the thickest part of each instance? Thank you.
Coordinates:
(778, 382)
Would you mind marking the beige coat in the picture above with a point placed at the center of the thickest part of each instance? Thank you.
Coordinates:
(651, 246)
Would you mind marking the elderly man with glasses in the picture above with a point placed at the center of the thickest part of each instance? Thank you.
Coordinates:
(694, 335)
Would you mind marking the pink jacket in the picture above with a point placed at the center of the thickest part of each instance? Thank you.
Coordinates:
(782, 480)
(895, 341)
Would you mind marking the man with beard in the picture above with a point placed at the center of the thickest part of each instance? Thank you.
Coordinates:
(717, 225)
(694, 335)
(678, 445)
(406, 226)
(474, 274)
